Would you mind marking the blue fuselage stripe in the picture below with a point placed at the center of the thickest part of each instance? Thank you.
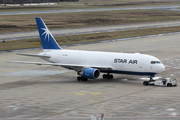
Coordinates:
(129, 72)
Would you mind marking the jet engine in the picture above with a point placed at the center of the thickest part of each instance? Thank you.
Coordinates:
(91, 73)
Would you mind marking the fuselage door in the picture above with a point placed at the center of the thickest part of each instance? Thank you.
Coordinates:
(140, 63)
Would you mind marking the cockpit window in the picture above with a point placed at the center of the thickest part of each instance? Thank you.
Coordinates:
(155, 62)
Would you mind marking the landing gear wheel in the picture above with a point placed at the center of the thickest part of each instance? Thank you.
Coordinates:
(111, 76)
(169, 84)
(104, 76)
(107, 76)
(81, 78)
(146, 83)
(84, 79)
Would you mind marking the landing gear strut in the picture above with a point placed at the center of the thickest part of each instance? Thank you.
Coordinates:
(151, 79)
(81, 78)
(108, 76)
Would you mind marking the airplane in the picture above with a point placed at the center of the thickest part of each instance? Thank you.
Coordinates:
(89, 64)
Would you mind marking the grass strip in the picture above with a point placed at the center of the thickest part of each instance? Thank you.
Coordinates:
(23, 23)
(72, 39)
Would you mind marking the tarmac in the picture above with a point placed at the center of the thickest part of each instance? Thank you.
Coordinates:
(161, 7)
(52, 93)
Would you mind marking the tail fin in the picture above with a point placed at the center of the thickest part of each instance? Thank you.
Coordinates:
(47, 40)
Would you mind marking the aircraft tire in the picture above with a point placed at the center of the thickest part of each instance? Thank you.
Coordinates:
(107, 76)
(104, 76)
(111, 76)
(79, 78)
(85, 79)
(145, 83)
(169, 84)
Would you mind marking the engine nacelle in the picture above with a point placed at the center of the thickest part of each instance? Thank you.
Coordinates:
(91, 73)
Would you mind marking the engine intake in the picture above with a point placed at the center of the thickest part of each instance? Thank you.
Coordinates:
(91, 73)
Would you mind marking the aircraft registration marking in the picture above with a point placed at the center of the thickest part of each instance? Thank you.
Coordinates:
(79, 93)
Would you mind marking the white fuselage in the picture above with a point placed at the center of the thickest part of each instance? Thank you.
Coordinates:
(122, 63)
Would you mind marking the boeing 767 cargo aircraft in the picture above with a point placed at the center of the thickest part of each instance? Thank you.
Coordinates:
(89, 64)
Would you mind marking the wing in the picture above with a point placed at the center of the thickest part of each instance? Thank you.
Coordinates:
(68, 66)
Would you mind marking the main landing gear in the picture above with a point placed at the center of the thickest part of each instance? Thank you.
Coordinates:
(81, 78)
(108, 76)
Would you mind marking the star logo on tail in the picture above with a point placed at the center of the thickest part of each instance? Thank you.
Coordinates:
(46, 32)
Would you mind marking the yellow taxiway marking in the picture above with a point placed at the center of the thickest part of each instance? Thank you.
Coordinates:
(155, 40)
(3, 60)
(79, 93)
(95, 93)
(36, 42)
(101, 107)
(41, 93)
(6, 70)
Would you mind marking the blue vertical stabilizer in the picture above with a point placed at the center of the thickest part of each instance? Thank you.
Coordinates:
(47, 39)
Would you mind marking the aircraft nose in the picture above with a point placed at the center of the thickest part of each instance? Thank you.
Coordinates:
(161, 68)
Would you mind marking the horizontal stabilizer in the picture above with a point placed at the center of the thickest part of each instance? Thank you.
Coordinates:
(27, 62)
(34, 55)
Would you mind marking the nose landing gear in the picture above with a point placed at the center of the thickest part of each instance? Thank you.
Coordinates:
(151, 79)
